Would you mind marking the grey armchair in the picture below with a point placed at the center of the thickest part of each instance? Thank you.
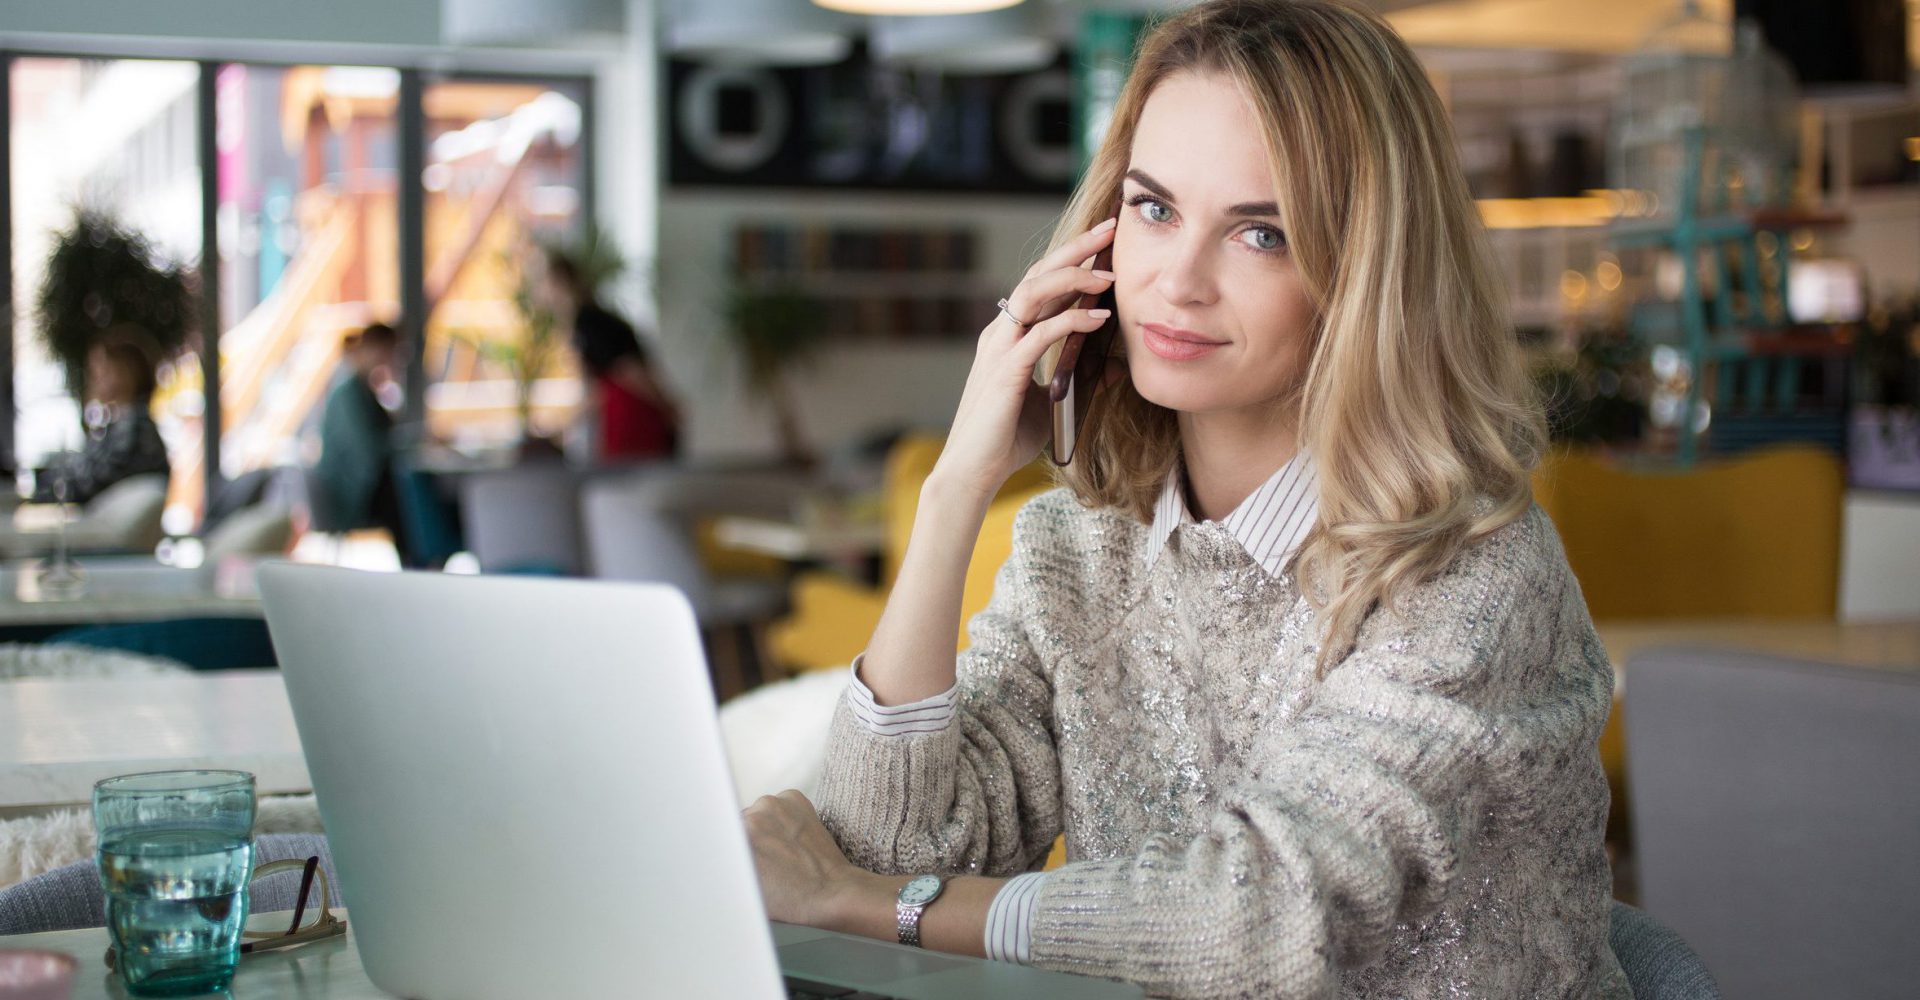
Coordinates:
(1659, 966)
(640, 527)
(70, 897)
(1776, 818)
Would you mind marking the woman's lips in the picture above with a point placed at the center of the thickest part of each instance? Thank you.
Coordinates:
(1175, 344)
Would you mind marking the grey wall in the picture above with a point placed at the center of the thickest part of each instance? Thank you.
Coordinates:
(854, 389)
(370, 22)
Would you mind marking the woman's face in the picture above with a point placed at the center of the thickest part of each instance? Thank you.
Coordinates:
(105, 381)
(371, 356)
(1215, 315)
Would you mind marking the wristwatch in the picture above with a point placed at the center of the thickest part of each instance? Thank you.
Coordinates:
(914, 899)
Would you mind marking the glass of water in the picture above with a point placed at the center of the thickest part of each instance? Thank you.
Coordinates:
(176, 853)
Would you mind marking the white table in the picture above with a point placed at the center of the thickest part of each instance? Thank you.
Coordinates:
(799, 542)
(128, 589)
(329, 968)
(1887, 645)
(58, 737)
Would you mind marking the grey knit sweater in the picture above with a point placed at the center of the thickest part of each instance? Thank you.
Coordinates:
(1425, 821)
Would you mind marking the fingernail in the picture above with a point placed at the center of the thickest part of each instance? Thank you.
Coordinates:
(1109, 224)
(1109, 275)
(1099, 313)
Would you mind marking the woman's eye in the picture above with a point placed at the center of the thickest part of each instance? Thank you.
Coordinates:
(1154, 211)
(1263, 238)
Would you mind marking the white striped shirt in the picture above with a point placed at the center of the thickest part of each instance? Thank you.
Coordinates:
(1270, 524)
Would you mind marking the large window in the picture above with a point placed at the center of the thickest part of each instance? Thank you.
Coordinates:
(505, 175)
(307, 229)
(115, 139)
(309, 244)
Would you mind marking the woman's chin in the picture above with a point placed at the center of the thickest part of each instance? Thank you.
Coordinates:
(1186, 391)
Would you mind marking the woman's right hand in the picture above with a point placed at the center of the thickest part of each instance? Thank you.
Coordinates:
(1002, 420)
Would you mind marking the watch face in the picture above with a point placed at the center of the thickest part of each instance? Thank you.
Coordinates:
(920, 891)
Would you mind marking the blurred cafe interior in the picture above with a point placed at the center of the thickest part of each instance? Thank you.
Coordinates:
(686, 292)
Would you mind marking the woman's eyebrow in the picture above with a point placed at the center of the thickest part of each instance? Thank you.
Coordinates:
(1256, 209)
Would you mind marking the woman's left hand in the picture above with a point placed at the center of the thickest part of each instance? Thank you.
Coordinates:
(804, 876)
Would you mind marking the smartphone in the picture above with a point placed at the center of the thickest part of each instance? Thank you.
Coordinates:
(1075, 368)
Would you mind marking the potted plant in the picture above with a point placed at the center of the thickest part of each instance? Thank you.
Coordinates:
(1883, 447)
(1597, 398)
(774, 329)
(101, 274)
(594, 255)
(528, 352)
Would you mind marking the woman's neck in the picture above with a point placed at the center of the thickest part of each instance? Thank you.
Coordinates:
(1229, 454)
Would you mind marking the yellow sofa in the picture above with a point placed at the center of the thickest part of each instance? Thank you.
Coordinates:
(1756, 536)
(833, 617)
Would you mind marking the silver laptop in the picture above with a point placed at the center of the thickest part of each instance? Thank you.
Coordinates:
(524, 789)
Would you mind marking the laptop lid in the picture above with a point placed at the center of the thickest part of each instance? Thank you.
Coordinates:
(523, 785)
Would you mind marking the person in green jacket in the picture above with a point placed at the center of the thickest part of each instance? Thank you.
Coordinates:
(356, 441)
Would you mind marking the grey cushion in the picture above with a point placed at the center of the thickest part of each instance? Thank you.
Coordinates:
(263, 529)
(1659, 966)
(1776, 818)
(524, 519)
(71, 897)
(641, 527)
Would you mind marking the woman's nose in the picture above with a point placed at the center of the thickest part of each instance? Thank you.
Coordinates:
(1186, 276)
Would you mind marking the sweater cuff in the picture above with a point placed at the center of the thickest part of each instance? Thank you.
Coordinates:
(1010, 918)
(928, 715)
(1086, 922)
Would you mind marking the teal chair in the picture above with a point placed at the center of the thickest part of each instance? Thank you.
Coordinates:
(200, 643)
(429, 517)
(1658, 964)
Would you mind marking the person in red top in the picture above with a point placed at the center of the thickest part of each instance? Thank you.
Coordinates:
(638, 415)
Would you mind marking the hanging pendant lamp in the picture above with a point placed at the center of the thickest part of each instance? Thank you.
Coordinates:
(761, 32)
(1008, 40)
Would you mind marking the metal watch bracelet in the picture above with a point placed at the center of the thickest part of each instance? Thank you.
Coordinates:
(907, 914)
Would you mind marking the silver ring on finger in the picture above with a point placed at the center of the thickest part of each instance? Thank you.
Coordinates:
(1011, 318)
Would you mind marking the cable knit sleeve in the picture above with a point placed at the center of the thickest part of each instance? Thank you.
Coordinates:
(1467, 707)
(981, 796)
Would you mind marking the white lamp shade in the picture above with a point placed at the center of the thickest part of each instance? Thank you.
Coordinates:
(762, 32)
(518, 22)
(1011, 40)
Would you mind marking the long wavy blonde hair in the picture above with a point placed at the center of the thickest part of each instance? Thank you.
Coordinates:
(1415, 401)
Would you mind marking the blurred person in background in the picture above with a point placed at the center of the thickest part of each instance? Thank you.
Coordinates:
(356, 438)
(122, 439)
(638, 417)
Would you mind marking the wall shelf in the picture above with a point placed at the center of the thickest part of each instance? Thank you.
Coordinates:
(891, 283)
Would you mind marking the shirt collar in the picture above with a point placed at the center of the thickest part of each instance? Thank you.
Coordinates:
(1269, 524)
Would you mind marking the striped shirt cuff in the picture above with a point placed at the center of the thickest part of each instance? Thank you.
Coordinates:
(928, 715)
(1010, 918)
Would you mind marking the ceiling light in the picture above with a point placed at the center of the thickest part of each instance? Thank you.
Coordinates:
(1009, 40)
(762, 32)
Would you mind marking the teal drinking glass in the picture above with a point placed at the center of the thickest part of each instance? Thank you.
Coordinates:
(176, 853)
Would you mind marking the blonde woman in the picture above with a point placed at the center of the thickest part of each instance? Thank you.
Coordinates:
(1293, 662)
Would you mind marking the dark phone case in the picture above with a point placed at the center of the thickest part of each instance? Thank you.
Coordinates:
(1083, 362)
